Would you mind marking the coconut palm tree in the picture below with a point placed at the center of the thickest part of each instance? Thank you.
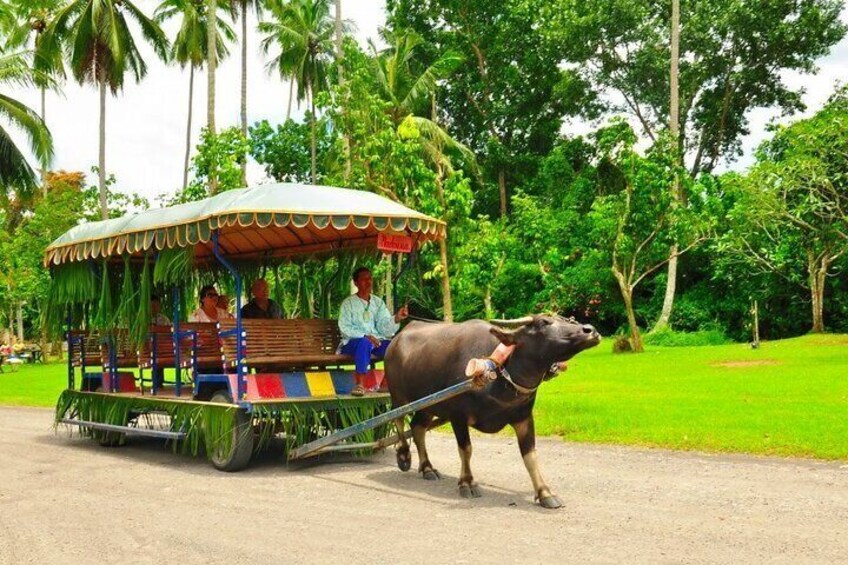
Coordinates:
(403, 83)
(241, 7)
(189, 49)
(303, 32)
(15, 171)
(101, 50)
(410, 88)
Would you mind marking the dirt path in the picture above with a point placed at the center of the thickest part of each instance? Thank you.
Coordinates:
(66, 500)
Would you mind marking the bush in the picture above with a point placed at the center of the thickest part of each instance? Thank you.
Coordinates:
(671, 338)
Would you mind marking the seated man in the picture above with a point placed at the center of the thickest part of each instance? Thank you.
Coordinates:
(366, 326)
(261, 306)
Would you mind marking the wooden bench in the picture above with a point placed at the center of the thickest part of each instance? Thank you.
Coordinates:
(200, 347)
(280, 345)
(85, 348)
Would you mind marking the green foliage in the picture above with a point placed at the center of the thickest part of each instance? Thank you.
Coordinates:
(119, 203)
(221, 155)
(284, 150)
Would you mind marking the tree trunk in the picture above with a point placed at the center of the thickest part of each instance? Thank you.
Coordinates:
(20, 322)
(44, 121)
(627, 296)
(756, 325)
(312, 140)
(818, 277)
(211, 64)
(502, 188)
(674, 129)
(670, 288)
(188, 126)
(487, 303)
(244, 86)
(101, 173)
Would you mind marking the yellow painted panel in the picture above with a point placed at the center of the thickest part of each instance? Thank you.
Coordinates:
(320, 384)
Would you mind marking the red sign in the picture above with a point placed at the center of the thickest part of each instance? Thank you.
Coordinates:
(394, 243)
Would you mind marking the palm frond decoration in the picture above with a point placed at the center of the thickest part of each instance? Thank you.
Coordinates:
(141, 321)
(104, 316)
(173, 266)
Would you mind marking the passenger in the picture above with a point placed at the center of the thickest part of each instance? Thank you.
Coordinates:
(157, 318)
(261, 306)
(224, 304)
(366, 326)
(208, 311)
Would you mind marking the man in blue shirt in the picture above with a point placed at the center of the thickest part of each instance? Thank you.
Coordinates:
(366, 326)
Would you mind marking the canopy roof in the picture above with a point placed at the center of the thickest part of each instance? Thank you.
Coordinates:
(272, 220)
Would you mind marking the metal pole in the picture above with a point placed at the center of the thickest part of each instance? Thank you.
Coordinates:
(70, 351)
(241, 368)
(176, 338)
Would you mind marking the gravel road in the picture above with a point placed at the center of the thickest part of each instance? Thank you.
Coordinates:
(66, 500)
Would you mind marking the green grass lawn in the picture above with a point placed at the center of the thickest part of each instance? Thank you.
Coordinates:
(789, 397)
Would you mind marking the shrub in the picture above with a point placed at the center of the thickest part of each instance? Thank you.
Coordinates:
(671, 338)
(622, 344)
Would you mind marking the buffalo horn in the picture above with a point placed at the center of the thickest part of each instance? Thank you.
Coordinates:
(513, 322)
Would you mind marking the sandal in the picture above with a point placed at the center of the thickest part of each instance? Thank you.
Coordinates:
(358, 390)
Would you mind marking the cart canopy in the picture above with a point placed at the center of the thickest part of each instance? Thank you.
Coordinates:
(272, 220)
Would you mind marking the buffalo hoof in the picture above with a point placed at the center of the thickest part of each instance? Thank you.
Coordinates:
(404, 459)
(431, 474)
(469, 491)
(551, 502)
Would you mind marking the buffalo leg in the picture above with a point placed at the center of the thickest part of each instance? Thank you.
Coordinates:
(525, 431)
(404, 457)
(420, 423)
(467, 487)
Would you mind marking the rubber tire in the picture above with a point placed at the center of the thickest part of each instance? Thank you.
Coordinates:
(242, 444)
(111, 439)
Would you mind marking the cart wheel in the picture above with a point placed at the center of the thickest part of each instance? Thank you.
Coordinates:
(241, 447)
(110, 439)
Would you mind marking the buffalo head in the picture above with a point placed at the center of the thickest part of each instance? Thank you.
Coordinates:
(550, 339)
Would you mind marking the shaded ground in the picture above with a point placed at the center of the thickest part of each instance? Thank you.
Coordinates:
(65, 500)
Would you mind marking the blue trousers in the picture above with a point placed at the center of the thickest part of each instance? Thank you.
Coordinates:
(362, 349)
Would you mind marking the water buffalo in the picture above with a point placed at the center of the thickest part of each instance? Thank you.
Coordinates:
(427, 357)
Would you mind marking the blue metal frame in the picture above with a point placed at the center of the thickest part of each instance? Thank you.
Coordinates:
(241, 368)
(177, 336)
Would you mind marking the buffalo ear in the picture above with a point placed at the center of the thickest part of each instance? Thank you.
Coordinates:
(506, 337)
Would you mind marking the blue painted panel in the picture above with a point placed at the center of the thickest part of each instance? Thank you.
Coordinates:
(295, 385)
(342, 381)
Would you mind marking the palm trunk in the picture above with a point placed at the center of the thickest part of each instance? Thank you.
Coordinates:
(188, 126)
(674, 128)
(447, 301)
(312, 144)
(502, 189)
(101, 173)
(291, 95)
(44, 121)
(212, 54)
(244, 86)
(339, 40)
